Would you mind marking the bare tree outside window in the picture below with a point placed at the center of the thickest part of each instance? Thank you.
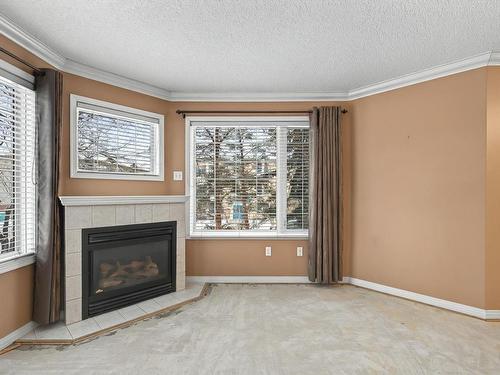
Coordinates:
(232, 192)
(17, 168)
(236, 178)
(114, 145)
(7, 170)
(297, 178)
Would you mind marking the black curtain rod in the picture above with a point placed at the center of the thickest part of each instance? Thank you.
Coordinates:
(185, 112)
(3, 50)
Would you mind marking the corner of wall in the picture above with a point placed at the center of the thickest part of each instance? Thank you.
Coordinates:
(492, 252)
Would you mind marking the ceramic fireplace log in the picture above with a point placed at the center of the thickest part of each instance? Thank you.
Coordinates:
(114, 275)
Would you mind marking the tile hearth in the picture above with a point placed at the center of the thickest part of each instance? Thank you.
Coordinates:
(60, 333)
(94, 212)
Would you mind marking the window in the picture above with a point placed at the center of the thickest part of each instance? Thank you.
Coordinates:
(248, 176)
(111, 141)
(17, 170)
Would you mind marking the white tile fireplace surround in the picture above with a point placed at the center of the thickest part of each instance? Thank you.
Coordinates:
(100, 211)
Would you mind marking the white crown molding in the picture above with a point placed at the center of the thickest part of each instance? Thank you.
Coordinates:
(68, 201)
(494, 59)
(51, 57)
(89, 72)
(474, 62)
(30, 43)
(440, 71)
(249, 279)
(258, 97)
(17, 334)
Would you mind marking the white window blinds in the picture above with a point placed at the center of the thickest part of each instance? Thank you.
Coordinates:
(17, 170)
(116, 143)
(297, 178)
(249, 177)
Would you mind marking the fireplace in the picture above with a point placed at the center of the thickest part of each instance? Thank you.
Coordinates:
(126, 264)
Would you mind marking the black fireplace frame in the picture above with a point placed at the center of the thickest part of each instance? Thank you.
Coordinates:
(94, 239)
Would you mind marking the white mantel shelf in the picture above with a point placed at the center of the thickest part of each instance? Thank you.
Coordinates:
(116, 199)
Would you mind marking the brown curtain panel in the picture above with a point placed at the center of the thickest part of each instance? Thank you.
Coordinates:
(47, 295)
(325, 196)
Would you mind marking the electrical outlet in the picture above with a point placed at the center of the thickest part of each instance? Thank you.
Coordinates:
(300, 251)
(177, 175)
(268, 251)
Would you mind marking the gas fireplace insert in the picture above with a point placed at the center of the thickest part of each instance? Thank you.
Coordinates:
(126, 264)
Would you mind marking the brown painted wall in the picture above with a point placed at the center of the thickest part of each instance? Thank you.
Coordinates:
(202, 259)
(21, 53)
(416, 168)
(174, 136)
(492, 276)
(247, 257)
(16, 293)
(418, 177)
(174, 141)
(213, 257)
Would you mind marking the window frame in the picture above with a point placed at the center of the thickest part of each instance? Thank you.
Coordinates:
(159, 162)
(281, 205)
(25, 255)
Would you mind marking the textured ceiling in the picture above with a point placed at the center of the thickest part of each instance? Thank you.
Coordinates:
(221, 46)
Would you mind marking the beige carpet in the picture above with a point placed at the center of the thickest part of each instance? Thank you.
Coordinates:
(282, 329)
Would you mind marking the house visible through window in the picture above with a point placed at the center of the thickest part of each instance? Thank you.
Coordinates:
(249, 176)
(17, 170)
(112, 141)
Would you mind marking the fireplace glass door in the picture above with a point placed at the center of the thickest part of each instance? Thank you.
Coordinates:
(125, 264)
(130, 265)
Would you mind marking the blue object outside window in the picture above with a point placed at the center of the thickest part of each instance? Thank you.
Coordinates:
(237, 211)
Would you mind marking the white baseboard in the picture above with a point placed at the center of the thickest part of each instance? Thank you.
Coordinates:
(492, 314)
(17, 334)
(433, 301)
(249, 279)
(422, 298)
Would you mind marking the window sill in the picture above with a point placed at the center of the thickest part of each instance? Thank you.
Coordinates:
(217, 236)
(12, 264)
(117, 176)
